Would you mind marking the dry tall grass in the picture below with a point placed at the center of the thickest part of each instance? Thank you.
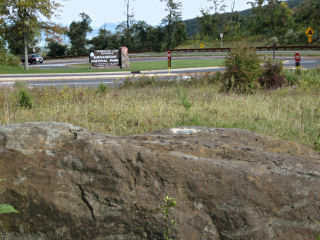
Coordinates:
(288, 113)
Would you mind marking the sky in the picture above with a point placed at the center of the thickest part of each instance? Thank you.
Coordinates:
(113, 11)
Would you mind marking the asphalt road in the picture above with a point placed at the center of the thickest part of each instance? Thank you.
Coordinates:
(307, 62)
(94, 79)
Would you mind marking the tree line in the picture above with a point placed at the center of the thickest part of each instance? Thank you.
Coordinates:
(21, 26)
(281, 22)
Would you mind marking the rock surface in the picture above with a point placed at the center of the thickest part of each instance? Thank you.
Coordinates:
(69, 183)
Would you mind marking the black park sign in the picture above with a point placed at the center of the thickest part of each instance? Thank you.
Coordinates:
(105, 58)
(118, 58)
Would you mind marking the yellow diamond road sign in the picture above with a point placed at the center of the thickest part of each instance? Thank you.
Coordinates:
(202, 45)
(310, 32)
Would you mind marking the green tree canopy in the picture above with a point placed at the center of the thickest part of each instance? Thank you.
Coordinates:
(78, 35)
(173, 8)
(26, 16)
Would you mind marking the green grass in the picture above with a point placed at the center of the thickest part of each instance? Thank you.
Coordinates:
(289, 113)
(135, 66)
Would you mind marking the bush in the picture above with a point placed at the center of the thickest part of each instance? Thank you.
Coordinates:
(8, 59)
(243, 70)
(272, 77)
(25, 99)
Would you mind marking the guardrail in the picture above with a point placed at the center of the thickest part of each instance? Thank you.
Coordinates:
(257, 48)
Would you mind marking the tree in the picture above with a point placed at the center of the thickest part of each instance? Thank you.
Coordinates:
(208, 24)
(129, 20)
(218, 6)
(141, 35)
(104, 40)
(173, 8)
(129, 15)
(157, 38)
(56, 49)
(271, 17)
(307, 13)
(180, 34)
(78, 35)
(14, 40)
(26, 15)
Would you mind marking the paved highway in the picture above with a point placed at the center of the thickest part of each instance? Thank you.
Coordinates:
(307, 61)
(94, 79)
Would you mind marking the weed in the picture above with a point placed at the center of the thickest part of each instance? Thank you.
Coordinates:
(6, 208)
(169, 205)
(19, 84)
(102, 88)
(25, 99)
(316, 143)
(291, 77)
(185, 102)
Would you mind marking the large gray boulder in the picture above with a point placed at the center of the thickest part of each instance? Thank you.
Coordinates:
(69, 183)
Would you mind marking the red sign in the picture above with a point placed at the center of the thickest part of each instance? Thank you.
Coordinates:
(169, 54)
(297, 57)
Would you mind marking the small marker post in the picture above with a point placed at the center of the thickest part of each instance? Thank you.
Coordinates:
(169, 61)
(297, 59)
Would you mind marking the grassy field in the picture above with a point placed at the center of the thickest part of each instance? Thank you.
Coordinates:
(135, 66)
(291, 113)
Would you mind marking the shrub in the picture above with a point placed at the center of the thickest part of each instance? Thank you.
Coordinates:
(243, 70)
(25, 99)
(272, 77)
(8, 59)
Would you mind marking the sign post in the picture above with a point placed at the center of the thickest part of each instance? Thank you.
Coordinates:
(297, 59)
(309, 33)
(169, 61)
(274, 51)
(221, 36)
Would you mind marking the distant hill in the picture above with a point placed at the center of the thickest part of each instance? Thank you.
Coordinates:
(192, 25)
